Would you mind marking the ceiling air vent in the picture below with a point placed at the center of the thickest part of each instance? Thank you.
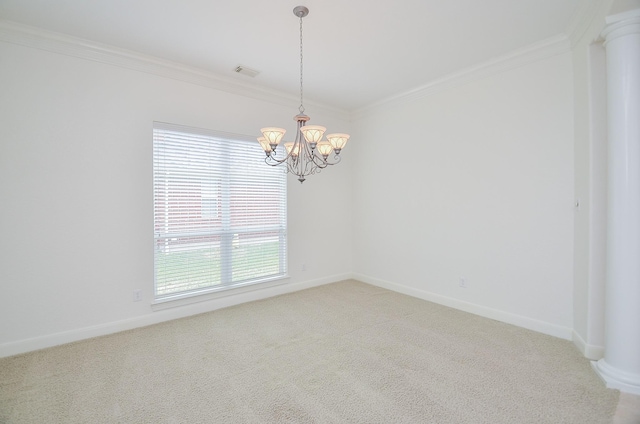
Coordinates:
(246, 71)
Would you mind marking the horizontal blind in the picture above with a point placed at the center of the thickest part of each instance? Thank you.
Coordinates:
(219, 211)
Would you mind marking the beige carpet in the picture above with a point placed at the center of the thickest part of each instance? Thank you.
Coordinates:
(345, 352)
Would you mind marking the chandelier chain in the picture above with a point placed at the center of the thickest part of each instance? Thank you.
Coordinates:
(301, 108)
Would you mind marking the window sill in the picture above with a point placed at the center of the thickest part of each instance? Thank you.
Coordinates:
(214, 293)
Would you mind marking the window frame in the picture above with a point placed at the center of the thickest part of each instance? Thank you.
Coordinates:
(227, 232)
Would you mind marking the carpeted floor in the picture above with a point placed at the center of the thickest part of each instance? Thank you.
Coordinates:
(342, 353)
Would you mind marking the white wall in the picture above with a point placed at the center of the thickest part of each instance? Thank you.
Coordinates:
(76, 194)
(475, 181)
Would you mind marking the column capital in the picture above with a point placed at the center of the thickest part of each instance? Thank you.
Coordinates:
(621, 24)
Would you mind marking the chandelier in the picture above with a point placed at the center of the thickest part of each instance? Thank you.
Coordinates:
(309, 153)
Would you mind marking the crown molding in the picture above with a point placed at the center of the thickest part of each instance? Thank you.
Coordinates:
(538, 51)
(583, 20)
(16, 33)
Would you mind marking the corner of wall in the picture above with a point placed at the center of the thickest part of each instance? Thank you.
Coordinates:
(590, 352)
(508, 318)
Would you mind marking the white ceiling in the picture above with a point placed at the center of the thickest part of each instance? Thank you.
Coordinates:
(356, 52)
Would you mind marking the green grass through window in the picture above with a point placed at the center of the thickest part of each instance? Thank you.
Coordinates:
(199, 268)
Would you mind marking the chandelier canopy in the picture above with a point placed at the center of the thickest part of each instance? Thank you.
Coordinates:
(308, 153)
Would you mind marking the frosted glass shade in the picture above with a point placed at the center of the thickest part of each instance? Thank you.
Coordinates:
(290, 149)
(264, 144)
(313, 133)
(272, 134)
(338, 141)
(324, 147)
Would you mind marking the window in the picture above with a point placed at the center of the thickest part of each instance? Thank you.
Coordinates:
(220, 213)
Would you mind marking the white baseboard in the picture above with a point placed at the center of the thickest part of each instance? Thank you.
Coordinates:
(506, 317)
(50, 340)
(591, 352)
(42, 342)
(615, 378)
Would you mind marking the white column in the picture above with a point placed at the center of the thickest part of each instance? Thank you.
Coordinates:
(620, 367)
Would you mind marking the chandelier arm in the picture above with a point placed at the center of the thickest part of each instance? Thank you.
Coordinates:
(303, 152)
(299, 148)
(325, 162)
(310, 165)
(286, 159)
(303, 164)
(317, 160)
(273, 161)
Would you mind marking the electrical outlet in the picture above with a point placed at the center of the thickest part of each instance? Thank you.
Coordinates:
(137, 295)
(463, 282)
